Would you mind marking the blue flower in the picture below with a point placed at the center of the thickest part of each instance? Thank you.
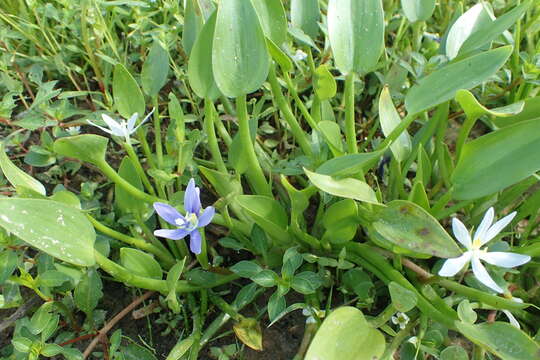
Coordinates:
(189, 224)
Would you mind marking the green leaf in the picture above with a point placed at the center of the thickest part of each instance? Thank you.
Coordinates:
(305, 16)
(265, 278)
(473, 20)
(350, 165)
(390, 119)
(125, 202)
(466, 312)
(128, 97)
(140, 263)
(273, 19)
(348, 188)
(418, 10)
(442, 84)
(473, 109)
(247, 269)
(49, 226)
(155, 70)
(454, 352)
(41, 318)
(340, 221)
(502, 340)
(306, 282)
(346, 335)
(200, 75)
(358, 282)
(497, 160)
(16, 176)
(193, 22)
(403, 299)
(531, 110)
(52, 278)
(356, 32)
(240, 60)
(248, 330)
(8, 264)
(324, 83)
(267, 213)
(88, 147)
(276, 305)
(487, 34)
(332, 134)
(284, 62)
(410, 227)
(88, 292)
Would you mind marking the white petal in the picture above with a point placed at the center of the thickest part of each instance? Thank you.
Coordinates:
(452, 266)
(100, 127)
(482, 275)
(496, 228)
(512, 319)
(112, 124)
(504, 259)
(131, 130)
(461, 233)
(131, 121)
(485, 224)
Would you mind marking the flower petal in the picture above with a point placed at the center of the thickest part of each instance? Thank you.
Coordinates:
(167, 213)
(192, 202)
(482, 275)
(206, 216)
(132, 130)
(485, 224)
(175, 234)
(113, 125)
(461, 233)
(100, 127)
(504, 259)
(195, 242)
(496, 228)
(452, 266)
(131, 122)
(512, 319)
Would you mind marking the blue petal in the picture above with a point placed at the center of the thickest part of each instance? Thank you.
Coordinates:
(206, 216)
(167, 213)
(192, 202)
(195, 242)
(175, 234)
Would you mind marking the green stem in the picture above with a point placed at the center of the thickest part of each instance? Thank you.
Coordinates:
(157, 133)
(138, 167)
(209, 120)
(383, 317)
(224, 306)
(350, 129)
(138, 243)
(288, 115)
(117, 179)
(254, 172)
(466, 128)
(397, 131)
(398, 340)
(141, 135)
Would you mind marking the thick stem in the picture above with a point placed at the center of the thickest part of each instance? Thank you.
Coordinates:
(209, 120)
(254, 172)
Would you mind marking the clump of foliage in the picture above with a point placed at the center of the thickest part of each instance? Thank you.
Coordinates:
(314, 155)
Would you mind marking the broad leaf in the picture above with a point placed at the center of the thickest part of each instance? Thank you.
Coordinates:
(531, 110)
(474, 19)
(408, 226)
(497, 160)
(273, 19)
(155, 70)
(346, 335)
(54, 228)
(305, 15)
(240, 60)
(88, 147)
(267, 213)
(128, 97)
(140, 263)
(442, 84)
(356, 32)
(348, 188)
(418, 10)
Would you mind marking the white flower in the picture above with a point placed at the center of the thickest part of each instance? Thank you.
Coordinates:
(485, 232)
(400, 319)
(121, 128)
(299, 55)
(511, 317)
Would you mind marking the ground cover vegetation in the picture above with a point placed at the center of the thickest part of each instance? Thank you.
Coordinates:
(266, 179)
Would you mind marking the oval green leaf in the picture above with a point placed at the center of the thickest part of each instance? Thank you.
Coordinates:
(418, 10)
(356, 32)
(240, 59)
(88, 147)
(267, 213)
(497, 160)
(410, 227)
(442, 84)
(273, 19)
(346, 335)
(155, 70)
(348, 188)
(140, 263)
(50, 226)
(128, 97)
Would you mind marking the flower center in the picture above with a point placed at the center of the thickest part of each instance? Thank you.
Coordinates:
(189, 222)
(476, 244)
